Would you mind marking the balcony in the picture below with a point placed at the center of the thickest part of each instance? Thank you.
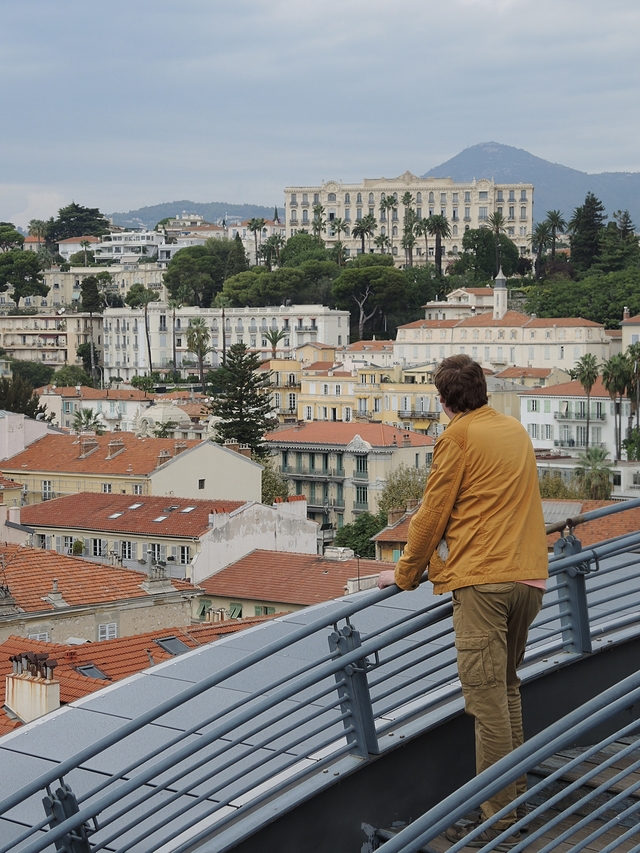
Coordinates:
(361, 506)
(306, 472)
(572, 442)
(579, 416)
(360, 475)
(417, 414)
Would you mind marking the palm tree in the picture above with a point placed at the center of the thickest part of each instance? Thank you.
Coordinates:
(557, 224)
(274, 336)
(139, 296)
(38, 228)
(594, 474)
(615, 378)
(633, 358)
(497, 224)
(359, 230)
(389, 204)
(370, 223)
(85, 245)
(586, 372)
(87, 420)
(318, 223)
(421, 229)
(408, 237)
(339, 226)
(174, 304)
(256, 225)
(439, 228)
(382, 242)
(539, 240)
(198, 337)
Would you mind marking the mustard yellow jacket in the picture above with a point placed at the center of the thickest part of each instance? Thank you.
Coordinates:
(482, 498)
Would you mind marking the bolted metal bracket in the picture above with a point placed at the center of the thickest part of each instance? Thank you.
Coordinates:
(353, 690)
(60, 806)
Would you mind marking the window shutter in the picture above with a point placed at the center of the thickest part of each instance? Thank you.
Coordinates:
(163, 553)
(48, 541)
(104, 547)
(59, 544)
(134, 550)
(87, 547)
(116, 548)
(174, 553)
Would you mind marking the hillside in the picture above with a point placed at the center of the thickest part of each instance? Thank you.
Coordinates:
(556, 187)
(212, 211)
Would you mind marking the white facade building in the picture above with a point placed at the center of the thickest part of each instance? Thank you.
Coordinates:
(125, 346)
(465, 205)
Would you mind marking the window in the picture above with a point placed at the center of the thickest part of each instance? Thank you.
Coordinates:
(109, 631)
(483, 195)
(308, 413)
(264, 610)
(548, 432)
(126, 550)
(43, 636)
(92, 671)
(99, 547)
(137, 489)
(361, 464)
(482, 213)
(201, 484)
(533, 405)
(106, 488)
(347, 198)
(185, 555)
(172, 645)
(523, 213)
(47, 490)
(68, 408)
(532, 429)
(512, 195)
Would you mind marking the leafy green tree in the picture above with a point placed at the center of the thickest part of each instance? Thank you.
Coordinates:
(198, 338)
(71, 375)
(584, 228)
(82, 259)
(195, 275)
(382, 242)
(586, 372)
(616, 378)
(479, 252)
(373, 284)
(21, 270)
(237, 260)
(85, 420)
(33, 373)
(83, 351)
(557, 225)
(243, 404)
(270, 250)
(318, 223)
(274, 485)
(256, 225)
(10, 237)
(300, 248)
(91, 303)
(440, 229)
(593, 475)
(139, 296)
(402, 485)
(16, 395)
(74, 220)
(497, 223)
(553, 487)
(164, 430)
(357, 535)
(143, 383)
(617, 248)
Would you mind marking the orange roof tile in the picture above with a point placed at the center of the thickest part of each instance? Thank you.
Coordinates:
(284, 577)
(533, 372)
(511, 318)
(95, 393)
(397, 532)
(30, 573)
(319, 365)
(568, 389)
(117, 658)
(336, 433)
(430, 324)
(377, 346)
(600, 529)
(545, 322)
(6, 483)
(62, 453)
(632, 321)
(316, 345)
(95, 511)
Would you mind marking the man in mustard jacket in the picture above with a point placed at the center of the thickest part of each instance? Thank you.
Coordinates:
(480, 532)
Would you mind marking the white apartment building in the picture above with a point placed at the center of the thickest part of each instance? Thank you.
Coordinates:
(466, 205)
(128, 246)
(51, 339)
(125, 346)
(64, 287)
(461, 302)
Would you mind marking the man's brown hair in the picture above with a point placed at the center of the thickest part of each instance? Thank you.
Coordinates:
(461, 383)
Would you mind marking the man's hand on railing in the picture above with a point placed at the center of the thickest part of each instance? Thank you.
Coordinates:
(387, 578)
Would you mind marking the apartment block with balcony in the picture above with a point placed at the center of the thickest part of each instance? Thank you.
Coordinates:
(341, 468)
(125, 346)
(466, 205)
(51, 339)
(65, 286)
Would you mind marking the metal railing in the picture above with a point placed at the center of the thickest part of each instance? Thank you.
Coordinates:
(318, 720)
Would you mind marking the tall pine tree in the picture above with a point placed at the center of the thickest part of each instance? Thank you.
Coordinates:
(585, 226)
(244, 403)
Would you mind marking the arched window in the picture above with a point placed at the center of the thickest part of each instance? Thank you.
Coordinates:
(383, 230)
(395, 231)
(455, 250)
(454, 231)
(347, 198)
(346, 231)
(331, 197)
(395, 250)
(370, 198)
(382, 196)
(395, 196)
(431, 198)
(418, 198)
(359, 198)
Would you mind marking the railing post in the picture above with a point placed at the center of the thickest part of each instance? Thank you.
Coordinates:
(59, 807)
(353, 690)
(576, 630)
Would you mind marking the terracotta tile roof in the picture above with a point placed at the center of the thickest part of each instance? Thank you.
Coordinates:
(397, 532)
(94, 511)
(602, 528)
(301, 579)
(61, 453)
(516, 372)
(545, 322)
(568, 389)
(430, 324)
(318, 365)
(6, 483)
(117, 659)
(377, 346)
(478, 291)
(179, 395)
(194, 410)
(88, 238)
(511, 318)
(30, 573)
(95, 393)
(336, 433)
(613, 333)
(317, 346)
(631, 320)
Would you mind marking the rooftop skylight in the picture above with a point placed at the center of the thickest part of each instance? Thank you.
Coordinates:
(135, 506)
(161, 518)
(188, 509)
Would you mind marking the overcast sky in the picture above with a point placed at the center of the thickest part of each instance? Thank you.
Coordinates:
(123, 104)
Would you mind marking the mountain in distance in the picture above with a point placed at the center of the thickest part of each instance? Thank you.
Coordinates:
(148, 217)
(556, 187)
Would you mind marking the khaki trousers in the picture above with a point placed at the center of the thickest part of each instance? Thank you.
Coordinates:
(491, 623)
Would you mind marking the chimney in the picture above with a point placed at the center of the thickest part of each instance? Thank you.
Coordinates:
(54, 596)
(88, 443)
(178, 447)
(163, 456)
(8, 606)
(412, 503)
(115, 447)
(394, 515)
(31, 690)
(625, 313)
(406, 440)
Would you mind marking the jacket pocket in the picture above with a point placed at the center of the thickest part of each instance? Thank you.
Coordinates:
(475, 665)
